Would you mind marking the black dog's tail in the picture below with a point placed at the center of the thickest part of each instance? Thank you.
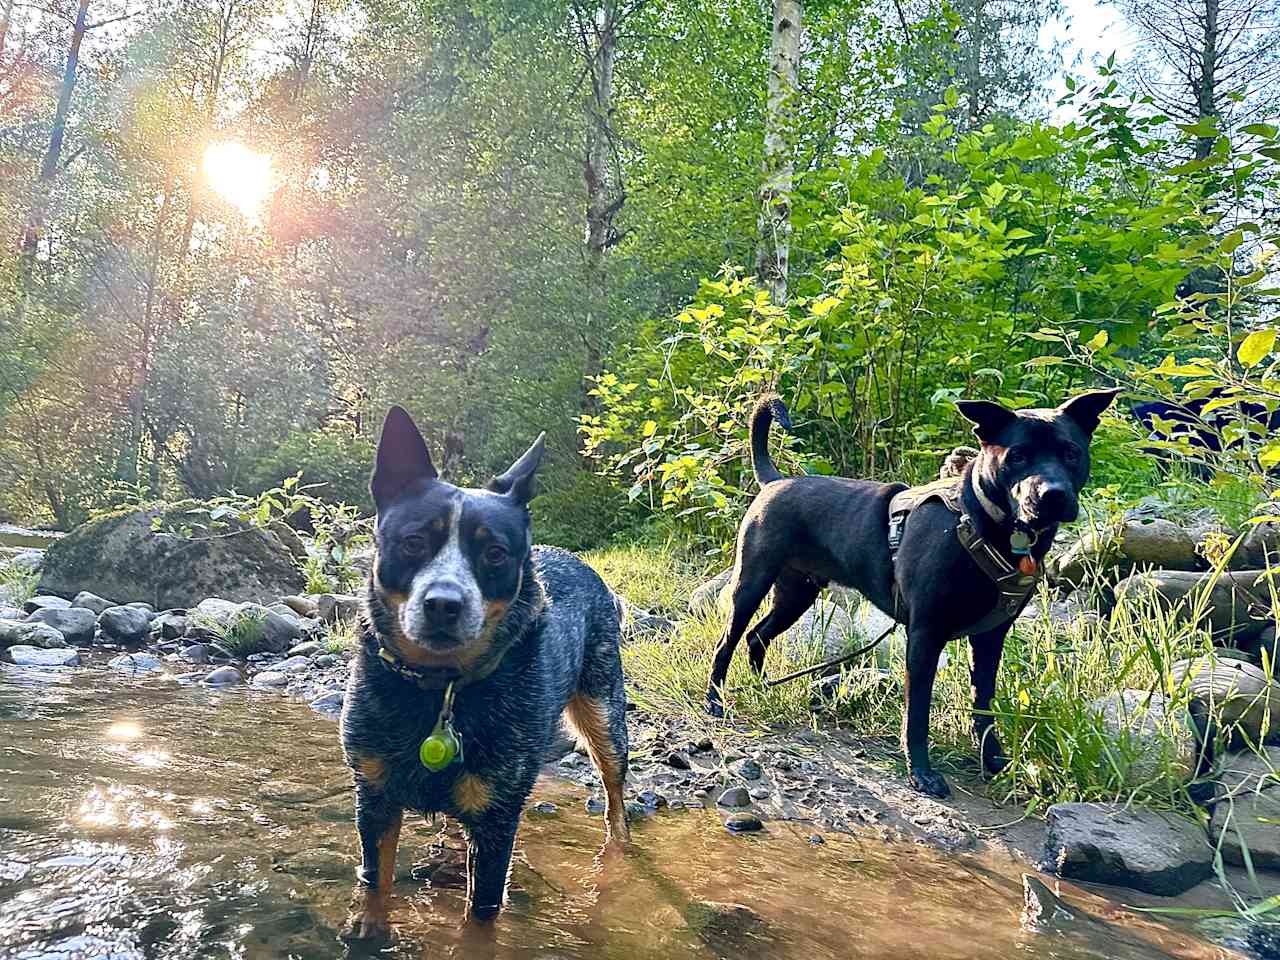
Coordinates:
(769, 408)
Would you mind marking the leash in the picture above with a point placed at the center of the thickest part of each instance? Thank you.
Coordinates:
(825, 665)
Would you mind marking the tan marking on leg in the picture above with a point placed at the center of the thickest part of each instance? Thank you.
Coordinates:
(590, 720)
(371, 918)
(472, 794)
(372, 770)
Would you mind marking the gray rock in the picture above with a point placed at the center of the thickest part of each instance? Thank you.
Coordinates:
(826, 629)
(1138, 848)
(1246, 813)
(44, 602)
(704, 601)
(223, 677)
(280, 632)
(330, 702)
(1043, 910)
(12, 613)
(196, 653)
(1136, 542)
(28, 561)
(31, 634)
(747, 769)
(735, 797)
(123, 556)
(337, 608)
(1150, 737)
(1232, 597)
(678, 761)
(308, 648)
(216, 609)
(171, 625)
(639, 623)
(297, 664)
(743, 823)
(76, 624)
(270, 678)
(327, 660)
(141, 605)
(1261, 544)
(125, 624)
(303, 605)
(26, 656)
(91, 601)
(136, 663)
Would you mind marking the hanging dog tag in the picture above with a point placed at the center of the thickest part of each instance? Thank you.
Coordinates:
(441, 748)
(1020, 542)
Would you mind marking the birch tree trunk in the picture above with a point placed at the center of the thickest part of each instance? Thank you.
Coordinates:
(774, 222)
(1206, 92)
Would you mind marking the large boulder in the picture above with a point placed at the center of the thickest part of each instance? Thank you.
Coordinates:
(1238, 601)
(1246, 813)
(1261, 544)
(30, 634)
(1129, 847)
(24, 656)
(1136, 542)
(825, 627)
(1151, 738)
(74, 623)
(1235, 692)
(705, 598)
(125, 624)
(129, 555)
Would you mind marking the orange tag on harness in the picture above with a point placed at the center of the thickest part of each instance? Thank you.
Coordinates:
(1027, 565)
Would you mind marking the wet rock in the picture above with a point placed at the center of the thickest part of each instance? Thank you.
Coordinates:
(743, 823)
(635, 810)
(1152, 736)
(747, 769)
(678, 761)
(270, 678)
(760, 793)
(735, 797)
(1246, 813)
(196, 653)
(816, 839)
(91, 601)
(337, 608)
(31, 634)
(27, 656)
(729, 929)
(294, 665)
(308, 648)
(595, 805)
(223, 677)
(124, 555)
(1232, 598)
(125, 624)
(1138, 848)
(545, 808)
(76, 624)
(44, 602)
(704, 601)
(328, 703)
(303, 605)
(1042, 909)
(651, 800)
(136, 663)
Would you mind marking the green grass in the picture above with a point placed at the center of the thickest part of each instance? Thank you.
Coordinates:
(17, 586)
(341, 638)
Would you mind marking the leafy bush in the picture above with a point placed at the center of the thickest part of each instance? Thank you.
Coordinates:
(333, 466)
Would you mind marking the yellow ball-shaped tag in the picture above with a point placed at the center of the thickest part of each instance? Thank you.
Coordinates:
(438, 751)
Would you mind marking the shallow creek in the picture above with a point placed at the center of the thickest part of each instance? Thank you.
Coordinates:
(139, 818)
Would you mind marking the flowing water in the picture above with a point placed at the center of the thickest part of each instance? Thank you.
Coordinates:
(145, 819)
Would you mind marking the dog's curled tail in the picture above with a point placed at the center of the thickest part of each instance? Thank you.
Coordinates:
(768, 409)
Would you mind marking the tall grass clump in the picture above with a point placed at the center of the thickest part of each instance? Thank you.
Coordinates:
(17, 584)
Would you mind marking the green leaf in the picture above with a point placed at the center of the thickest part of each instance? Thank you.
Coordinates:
(1265, 130)
(1098, 341)
(1269, 456)
(1256, 346)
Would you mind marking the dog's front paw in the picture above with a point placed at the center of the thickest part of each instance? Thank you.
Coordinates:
(994, 760)
(368, 924)
(714, 705)
(929, 782)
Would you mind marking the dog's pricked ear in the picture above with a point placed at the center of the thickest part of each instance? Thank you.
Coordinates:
(402, 458)
(1087, 408)
(988, 418)
(517, 482)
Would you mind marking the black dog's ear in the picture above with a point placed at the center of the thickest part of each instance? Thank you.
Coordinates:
(517, 482)
(402, 458)
(988, 418)
(1087, 408)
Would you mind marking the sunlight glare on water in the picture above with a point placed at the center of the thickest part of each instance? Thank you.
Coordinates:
(241, 844)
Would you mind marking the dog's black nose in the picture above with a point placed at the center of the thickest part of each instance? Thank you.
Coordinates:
(443, 605)
(1055, 500)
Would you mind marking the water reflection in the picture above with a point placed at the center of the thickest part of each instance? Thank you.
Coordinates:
(141, 820)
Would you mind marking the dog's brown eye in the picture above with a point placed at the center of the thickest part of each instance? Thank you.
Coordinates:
(495, 555)
(413, 546)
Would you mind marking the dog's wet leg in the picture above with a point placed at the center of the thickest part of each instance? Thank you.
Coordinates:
(378, 822)
(488, 865)
(924, 646)
(793, 594)
(602, 724)
(749, 589)
(987, 648)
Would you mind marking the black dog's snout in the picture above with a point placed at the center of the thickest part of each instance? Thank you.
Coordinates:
(1056, 501)
(443, 605)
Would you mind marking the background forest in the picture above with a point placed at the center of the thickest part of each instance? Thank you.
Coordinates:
(236, 230)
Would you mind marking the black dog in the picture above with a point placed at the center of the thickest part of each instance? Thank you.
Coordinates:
(474, 645)
(800, 534)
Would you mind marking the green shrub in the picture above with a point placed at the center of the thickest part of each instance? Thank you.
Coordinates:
(582, 513)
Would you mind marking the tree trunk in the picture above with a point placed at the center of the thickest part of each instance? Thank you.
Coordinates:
(1206, 92)
(49, 168)
(4, 26)
(603, 199)
(779, 150)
